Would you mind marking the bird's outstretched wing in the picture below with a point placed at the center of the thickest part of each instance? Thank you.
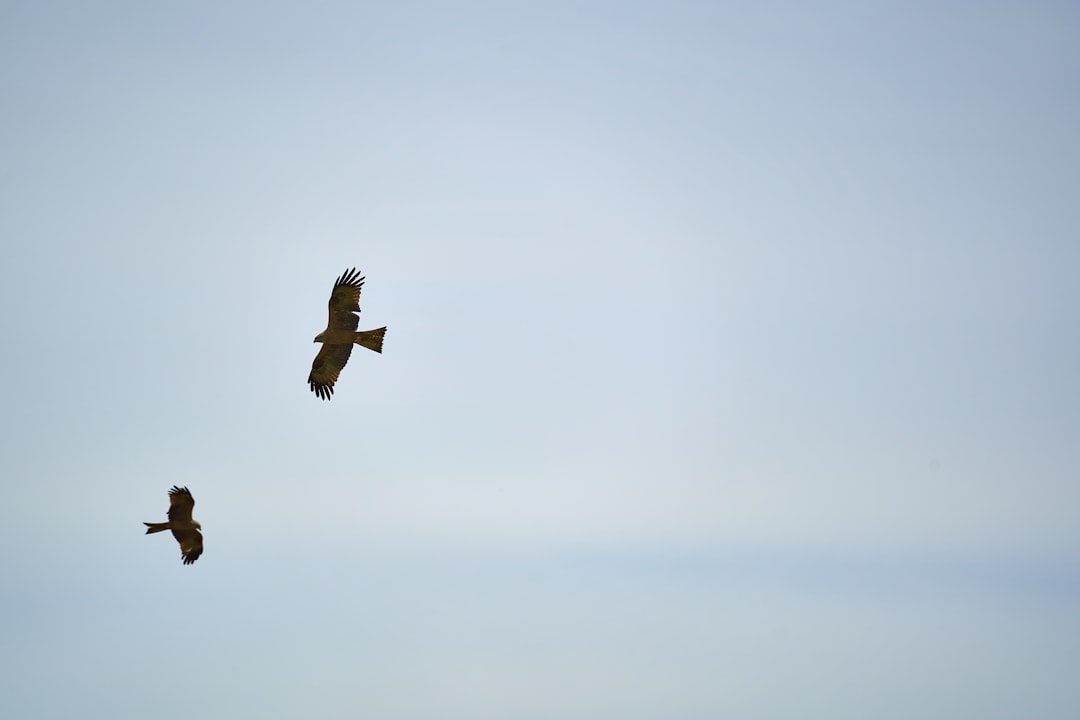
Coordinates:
(326, 368)
(181, 504)
(190, 544)
(345, 301)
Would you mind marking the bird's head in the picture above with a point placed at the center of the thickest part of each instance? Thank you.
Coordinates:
(197, 524)
(319, 337)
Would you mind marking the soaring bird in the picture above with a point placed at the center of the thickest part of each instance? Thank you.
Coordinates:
(340, 335)
(184, 529)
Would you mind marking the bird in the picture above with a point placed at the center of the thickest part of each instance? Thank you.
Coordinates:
(184, 529)
(340, 335)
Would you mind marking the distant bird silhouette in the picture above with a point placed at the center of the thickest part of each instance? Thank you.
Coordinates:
(184, 529)
(340, 335)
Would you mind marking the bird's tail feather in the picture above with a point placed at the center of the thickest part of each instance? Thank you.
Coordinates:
(155, 527)
(371, 339)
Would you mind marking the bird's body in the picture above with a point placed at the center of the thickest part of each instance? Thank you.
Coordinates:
(340, 334)
(185, 529)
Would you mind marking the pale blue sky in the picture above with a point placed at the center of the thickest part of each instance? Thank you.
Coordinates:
(731, 371)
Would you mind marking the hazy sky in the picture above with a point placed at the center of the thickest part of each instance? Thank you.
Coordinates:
(732, 364)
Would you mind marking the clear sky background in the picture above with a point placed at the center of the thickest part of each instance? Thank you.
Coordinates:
(732, 367)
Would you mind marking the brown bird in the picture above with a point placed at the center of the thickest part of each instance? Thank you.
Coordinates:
(340, 335)
(184, 529)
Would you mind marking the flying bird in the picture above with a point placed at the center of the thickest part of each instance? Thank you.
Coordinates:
(340, 334)
(184, 529)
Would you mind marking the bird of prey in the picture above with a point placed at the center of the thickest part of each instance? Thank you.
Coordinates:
(184, 529)
(340, 334)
